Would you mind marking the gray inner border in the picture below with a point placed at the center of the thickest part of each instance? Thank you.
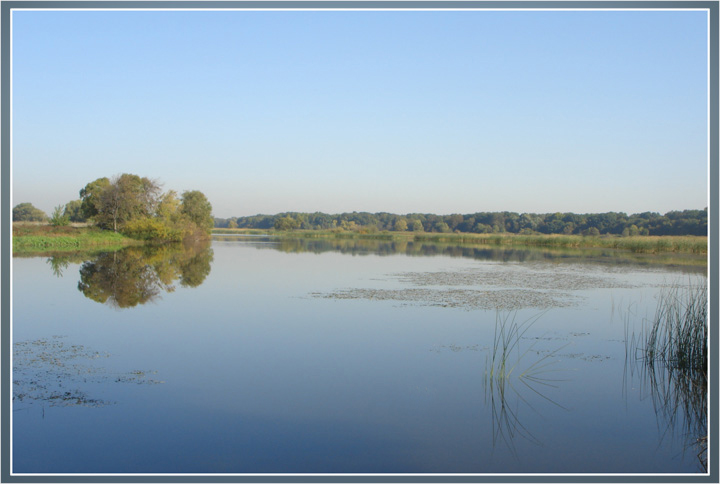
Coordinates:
(713, 7)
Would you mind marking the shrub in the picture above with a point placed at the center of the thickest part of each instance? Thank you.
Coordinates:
(58, 218)
(151, 229)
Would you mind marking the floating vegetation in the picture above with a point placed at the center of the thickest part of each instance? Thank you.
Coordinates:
(468, 299)
(525, 276)
(503, 287)
(454, 348)
(52, 371)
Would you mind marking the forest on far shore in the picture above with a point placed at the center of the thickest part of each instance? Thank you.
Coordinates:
(686, 222)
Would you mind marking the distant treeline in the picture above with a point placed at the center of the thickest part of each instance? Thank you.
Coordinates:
(686, 222)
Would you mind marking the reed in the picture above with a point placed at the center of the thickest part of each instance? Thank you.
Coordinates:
(678, 333)
(671, 350)
(508, 363)
(638, 244)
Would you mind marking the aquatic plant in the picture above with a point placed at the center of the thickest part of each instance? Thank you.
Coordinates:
(671, 350)
(678, 333)
(58, 373)
(507, 364)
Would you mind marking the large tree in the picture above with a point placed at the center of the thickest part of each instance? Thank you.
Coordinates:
(74, 212)
(196, 207)
(90, 197)
(112, 203)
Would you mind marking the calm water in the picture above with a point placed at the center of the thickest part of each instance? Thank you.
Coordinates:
(252, 356)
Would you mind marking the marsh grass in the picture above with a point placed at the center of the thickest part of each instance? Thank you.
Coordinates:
(509, 365)
(670, 355)
(638, 244)
(678, 333)
(645, 244)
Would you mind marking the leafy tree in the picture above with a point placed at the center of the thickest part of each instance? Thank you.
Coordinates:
(26, 212)
(90, 197)
(124, 198)
(687, 222)
(442, 227)
(416, 225)
(73, 211)
(196, 207)
(286, 223)
(168, 207)
(481, 228)
(401, 225)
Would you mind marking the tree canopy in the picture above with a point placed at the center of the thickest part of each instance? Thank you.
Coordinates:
(137, 207)
(26, 212)
(686, 222)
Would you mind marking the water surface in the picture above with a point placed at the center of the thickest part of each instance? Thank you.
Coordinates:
(321, 356)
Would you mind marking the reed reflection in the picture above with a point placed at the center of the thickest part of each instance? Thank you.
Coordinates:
(377, 245)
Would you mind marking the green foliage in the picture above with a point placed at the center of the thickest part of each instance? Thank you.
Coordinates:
(147, 228)
(401, 225)
(442, 227)
(26, 212)
(74, 212)
(168, 207)
(136, 207)
(687, 222)
(196, 207)
(416, 225)
(90, 197)
(125, 198)
(48, 237)
(58, 218)
(288, 223)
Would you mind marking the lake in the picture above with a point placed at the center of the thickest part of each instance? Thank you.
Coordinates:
(252, 355)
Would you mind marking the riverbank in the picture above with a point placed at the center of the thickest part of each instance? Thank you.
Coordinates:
(39, 238)
(646, 244)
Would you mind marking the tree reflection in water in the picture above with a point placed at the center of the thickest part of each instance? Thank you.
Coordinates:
(137, 275)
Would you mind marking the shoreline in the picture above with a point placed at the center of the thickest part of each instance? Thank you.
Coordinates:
(647, 244)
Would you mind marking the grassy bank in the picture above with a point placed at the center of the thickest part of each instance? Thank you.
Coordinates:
(42, 238)
(637, 244)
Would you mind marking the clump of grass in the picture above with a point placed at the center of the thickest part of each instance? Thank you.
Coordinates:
(678, 333)
(672, 350)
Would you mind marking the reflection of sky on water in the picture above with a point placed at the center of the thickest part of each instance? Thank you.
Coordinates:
(260, 376)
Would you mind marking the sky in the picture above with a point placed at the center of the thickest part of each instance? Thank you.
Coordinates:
(380, 111)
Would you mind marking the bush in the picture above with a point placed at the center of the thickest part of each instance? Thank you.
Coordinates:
(151, 229)
(58, 218)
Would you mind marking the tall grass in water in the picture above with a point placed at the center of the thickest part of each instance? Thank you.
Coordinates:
(508, 363)
(672, 350)
(678, 334)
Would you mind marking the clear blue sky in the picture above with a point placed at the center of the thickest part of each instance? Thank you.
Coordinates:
(439, 112)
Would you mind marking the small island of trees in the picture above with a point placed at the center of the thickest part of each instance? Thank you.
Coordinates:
(127, 205)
